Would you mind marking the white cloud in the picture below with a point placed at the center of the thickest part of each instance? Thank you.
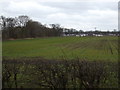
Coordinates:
(79, 14)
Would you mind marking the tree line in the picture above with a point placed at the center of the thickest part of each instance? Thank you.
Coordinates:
(24, 27)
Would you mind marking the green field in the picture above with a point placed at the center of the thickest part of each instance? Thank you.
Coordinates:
(89, 48)
(96, 64)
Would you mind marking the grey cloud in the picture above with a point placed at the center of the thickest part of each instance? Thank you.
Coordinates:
(79, 7)
(79, 15)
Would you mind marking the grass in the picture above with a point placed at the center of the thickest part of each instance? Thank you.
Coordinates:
(90, 48)
(44, 67)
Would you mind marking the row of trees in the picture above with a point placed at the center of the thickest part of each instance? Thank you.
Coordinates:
(24, 27)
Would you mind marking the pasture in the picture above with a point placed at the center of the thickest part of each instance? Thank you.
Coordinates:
(48, 62)
(88, 48)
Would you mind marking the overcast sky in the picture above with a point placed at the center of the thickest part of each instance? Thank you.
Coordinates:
(77, 14)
